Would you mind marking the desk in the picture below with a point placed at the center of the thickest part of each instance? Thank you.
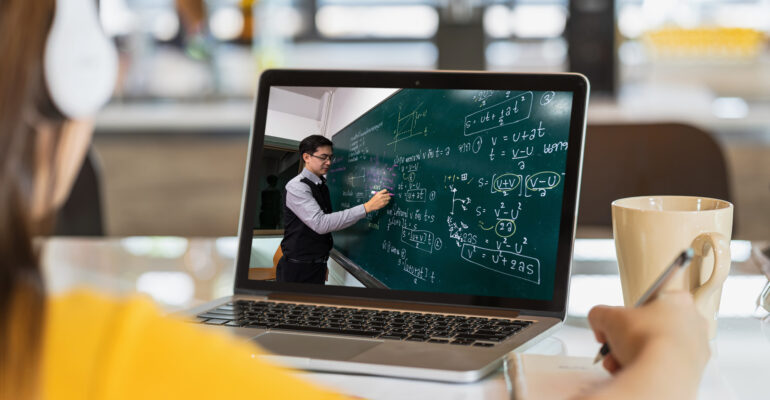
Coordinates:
(180, 273)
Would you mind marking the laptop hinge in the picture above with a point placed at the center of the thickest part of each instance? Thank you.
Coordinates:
(394, 305)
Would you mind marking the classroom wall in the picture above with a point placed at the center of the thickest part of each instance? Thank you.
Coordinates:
(347, 104)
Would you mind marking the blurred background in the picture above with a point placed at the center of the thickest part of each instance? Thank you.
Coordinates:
(170, 149)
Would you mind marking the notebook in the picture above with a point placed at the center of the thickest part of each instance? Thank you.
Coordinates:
(471, 258)
(532, 376)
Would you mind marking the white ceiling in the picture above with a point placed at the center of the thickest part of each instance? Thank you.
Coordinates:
(310, 91)
(300, 101)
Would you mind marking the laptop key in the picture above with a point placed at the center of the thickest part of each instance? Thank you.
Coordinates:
(223, 312)
(438, 341)
(335, 331)
(488, 327)
(508, 331)
(488, 332)
(217, 316)
(216, 321)
(482, 344)
(480, 337)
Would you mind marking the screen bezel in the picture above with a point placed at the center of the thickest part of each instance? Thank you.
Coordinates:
(575, 83)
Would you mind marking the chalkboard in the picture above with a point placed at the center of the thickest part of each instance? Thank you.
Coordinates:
(477, 178)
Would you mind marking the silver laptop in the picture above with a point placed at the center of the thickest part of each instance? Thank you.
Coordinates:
(471, 258)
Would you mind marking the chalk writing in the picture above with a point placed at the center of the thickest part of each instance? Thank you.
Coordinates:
(476, 178)
(506, 112)
(503, 262)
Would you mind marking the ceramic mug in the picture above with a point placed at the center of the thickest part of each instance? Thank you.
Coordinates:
(650, 231)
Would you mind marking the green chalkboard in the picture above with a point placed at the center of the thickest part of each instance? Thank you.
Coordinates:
(477, 177)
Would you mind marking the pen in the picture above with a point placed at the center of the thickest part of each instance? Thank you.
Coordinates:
(680, 262)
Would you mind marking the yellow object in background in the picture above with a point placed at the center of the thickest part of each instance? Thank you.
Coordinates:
(699, 43)
(101, 348)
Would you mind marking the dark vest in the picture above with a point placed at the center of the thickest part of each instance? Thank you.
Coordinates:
(299, 241)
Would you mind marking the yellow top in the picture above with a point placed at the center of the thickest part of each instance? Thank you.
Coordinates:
(96, 347)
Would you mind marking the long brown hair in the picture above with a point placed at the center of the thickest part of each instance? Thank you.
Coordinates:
(24, 104)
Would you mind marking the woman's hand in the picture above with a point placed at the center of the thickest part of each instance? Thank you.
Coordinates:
(657, 351)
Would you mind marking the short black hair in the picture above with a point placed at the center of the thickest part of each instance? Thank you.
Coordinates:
(311, 143)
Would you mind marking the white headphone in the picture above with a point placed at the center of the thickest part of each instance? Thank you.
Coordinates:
(80, 62)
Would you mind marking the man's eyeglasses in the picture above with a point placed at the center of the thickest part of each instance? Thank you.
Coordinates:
(324, 157)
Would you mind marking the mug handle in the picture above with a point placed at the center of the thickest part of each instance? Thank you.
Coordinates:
(721, 248)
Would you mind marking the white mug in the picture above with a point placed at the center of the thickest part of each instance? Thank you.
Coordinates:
(650, 231)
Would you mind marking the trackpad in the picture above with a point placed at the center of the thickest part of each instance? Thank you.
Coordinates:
(312, 346)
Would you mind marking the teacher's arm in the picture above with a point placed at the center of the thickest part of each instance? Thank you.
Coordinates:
(300, 201)
(659, 350)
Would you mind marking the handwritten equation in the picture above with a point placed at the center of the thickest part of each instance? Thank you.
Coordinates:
(503, 262)
(506, 112)
(476, 190)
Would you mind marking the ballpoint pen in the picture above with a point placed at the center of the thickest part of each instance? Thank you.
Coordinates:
(680, 262)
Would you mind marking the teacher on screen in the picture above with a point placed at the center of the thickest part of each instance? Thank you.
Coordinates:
(308, 216)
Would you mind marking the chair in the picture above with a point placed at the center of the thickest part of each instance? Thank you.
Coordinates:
(81, 214)
(267, 274)
(625, 160)
(277, 257)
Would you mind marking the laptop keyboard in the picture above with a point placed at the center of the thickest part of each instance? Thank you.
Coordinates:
(395, 325)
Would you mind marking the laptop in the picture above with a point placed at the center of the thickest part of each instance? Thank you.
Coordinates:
(471, 258)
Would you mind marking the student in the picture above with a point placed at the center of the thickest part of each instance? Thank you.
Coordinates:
(270, 211)
(83, 344)
(86, 345)
(308, 216)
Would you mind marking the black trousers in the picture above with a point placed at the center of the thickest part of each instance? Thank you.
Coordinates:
(287, 271)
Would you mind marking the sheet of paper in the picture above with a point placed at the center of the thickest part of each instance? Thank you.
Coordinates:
(535, 376)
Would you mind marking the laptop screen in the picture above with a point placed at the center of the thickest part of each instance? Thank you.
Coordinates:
(483, 184)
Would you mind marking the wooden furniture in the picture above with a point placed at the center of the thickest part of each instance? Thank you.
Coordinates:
(267, 274)
(626, 160)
